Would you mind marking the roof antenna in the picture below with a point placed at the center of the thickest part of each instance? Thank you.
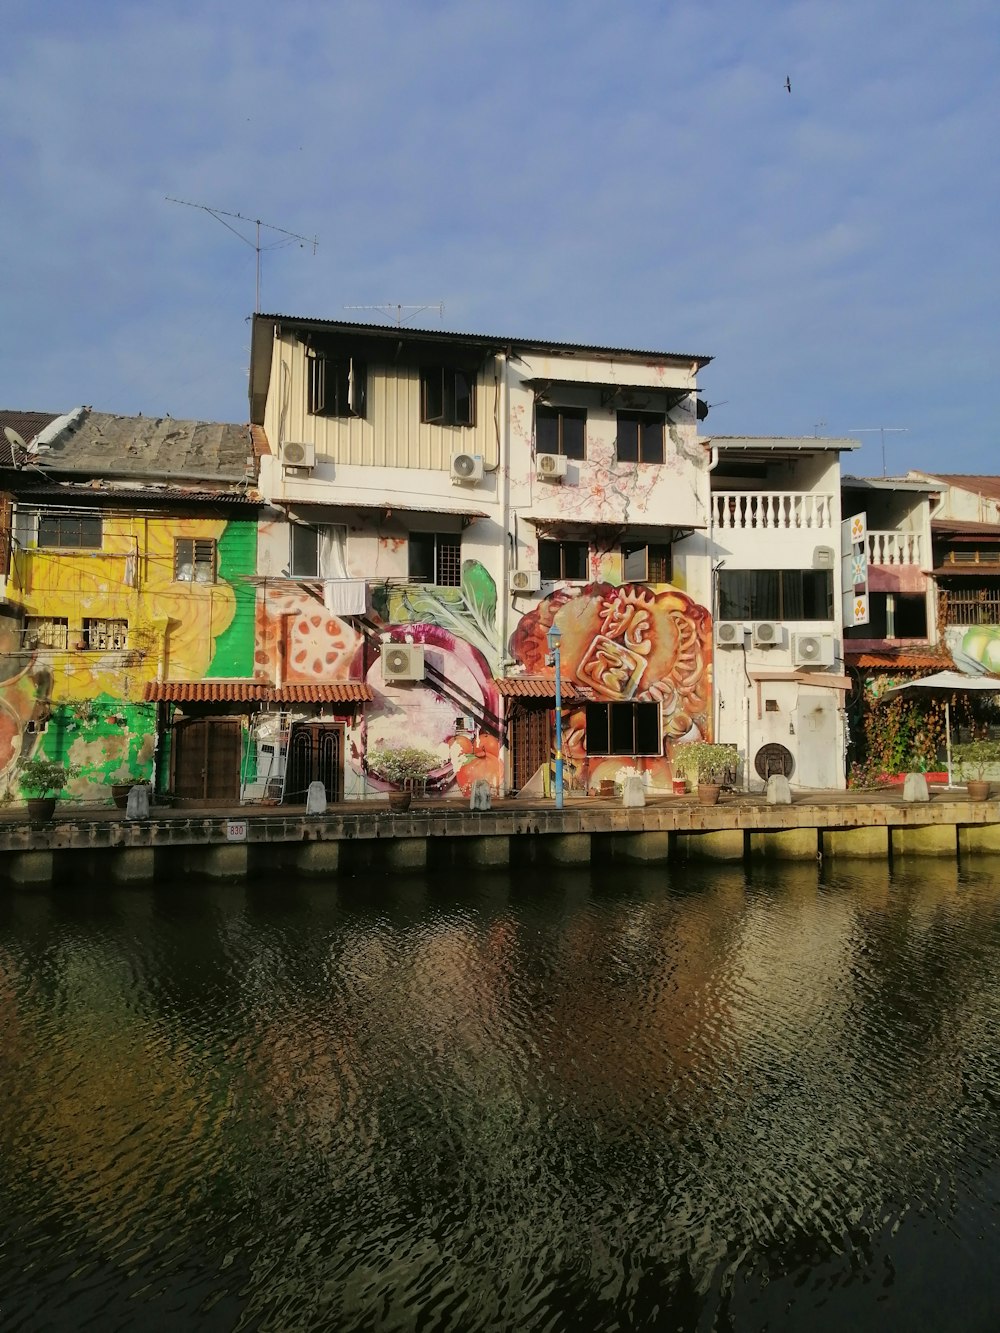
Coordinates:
(395, 311)
(290, 236)
(880, 430)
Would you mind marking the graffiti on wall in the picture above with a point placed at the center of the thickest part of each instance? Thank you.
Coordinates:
(623, 643)
(101, 625)
(975, 651)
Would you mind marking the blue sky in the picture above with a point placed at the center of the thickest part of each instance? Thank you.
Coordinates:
(630, 174)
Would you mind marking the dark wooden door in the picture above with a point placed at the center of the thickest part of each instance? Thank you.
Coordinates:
(207, 759)
(530, 743)
(315, 754)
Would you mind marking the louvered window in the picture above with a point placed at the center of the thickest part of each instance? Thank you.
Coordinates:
(105, 636)
(194, 560)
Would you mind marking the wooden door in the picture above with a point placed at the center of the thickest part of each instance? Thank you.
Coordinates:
(315, 754)
(206, 761)
(530, 737)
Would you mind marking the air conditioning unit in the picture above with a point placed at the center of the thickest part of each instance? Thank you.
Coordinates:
(550, 467)
(823, 557)
(766, 634)
(403, 661)
(298, 455)
(812, 650)
(729, 634)
(525, 580)
(467, 468)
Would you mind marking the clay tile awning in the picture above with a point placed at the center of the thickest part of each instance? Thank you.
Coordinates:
(534, 687)
(254, 691)
(900, 660)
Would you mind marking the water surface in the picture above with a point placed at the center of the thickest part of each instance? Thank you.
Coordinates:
(684, 1099)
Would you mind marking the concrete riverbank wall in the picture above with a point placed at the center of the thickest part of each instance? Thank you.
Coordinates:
(237, 844)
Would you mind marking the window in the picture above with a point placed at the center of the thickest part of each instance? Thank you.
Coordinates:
(317, 551)
(640, 437)
(105, 635)
(892, 615)
(337, 387)
(194, 560)
(72, 530)
(646, 563)
(45, 632)
(447, 396)
(563, 560)
(775, 594)
(561, 430)
(436, 557)
(624, 728)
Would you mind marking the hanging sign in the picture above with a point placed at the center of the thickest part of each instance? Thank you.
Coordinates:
(854, 568)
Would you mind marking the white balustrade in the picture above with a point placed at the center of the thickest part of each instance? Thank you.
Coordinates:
(772, 509)
(893, 548)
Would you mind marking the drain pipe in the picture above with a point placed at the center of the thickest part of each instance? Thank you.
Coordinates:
(713, 463)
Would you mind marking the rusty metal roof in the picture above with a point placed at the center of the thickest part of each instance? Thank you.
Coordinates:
(27, 425)
(254, 691)
(534, 687)
(900, 659)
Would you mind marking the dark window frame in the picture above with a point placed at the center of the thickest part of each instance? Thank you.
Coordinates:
(70, 532)
(440, 555)
(555, 558)
(198, 553)
(562, 441)
(650, 430)
(771, 594)
(338, 386)
(624, 728)
(659, 557)
(300, 533)
(443, 390)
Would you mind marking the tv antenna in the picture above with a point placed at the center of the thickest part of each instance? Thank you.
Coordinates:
(395, 311)
(882, 431)
(289, 237)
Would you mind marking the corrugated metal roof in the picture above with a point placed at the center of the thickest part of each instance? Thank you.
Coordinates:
(534, 687)
(78, 491)
(396, 333)
(980, 484)
(254, 691)
(771, 443)
(27, 425)
(963, 527)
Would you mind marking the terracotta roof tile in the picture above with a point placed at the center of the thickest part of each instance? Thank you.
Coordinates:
(254, 691)
(917, 658)
(534, 687)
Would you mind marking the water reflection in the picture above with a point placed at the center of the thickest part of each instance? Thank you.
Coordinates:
(700, 1099)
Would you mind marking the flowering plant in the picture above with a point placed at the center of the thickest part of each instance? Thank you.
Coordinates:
(400, 764)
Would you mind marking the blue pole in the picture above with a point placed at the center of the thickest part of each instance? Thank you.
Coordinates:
(559, 758)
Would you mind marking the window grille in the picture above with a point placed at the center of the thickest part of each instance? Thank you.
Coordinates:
(194, 560)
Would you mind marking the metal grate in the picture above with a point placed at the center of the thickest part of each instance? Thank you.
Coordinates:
(448, 570)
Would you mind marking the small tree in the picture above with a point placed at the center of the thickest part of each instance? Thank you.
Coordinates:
(41, 777)
(402, 764)
(703, 762)
(973, 758)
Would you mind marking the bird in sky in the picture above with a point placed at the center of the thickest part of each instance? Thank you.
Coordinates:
(788, 85)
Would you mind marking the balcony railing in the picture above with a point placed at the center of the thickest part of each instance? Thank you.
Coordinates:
(772, 509)
(894, 548)
(977, 607)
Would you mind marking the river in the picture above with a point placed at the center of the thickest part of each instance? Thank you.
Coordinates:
(675, 1099)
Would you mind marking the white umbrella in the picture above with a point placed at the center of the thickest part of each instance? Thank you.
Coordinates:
(946, 683)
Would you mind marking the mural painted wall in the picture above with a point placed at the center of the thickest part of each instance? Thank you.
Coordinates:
(100, 624)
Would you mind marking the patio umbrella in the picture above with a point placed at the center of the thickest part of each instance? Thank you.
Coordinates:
(946, 683)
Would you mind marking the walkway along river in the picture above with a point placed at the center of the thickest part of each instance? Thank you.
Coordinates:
(691, 1096)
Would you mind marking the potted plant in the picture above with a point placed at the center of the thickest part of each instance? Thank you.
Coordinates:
(41, 780)
(708, 766)
(404, 767)
(121, 782)
(972, 759)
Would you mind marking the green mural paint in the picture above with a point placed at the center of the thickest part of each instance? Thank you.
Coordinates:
(233, 655)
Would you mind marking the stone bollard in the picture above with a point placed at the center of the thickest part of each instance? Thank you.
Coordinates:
(479, 798)
(915, 787)
(137, 805)
(633, 791)
(778, 790)
(316, 799)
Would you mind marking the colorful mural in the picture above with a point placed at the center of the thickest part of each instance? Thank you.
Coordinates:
(64, 697)
(622, 643)
(975, 651)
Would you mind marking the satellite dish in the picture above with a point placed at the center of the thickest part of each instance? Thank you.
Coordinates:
(16, 443)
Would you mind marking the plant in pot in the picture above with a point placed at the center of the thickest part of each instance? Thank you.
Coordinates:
(41, 780)
(404, 767)
(708, 766)
(121, 782)
(972, 759)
